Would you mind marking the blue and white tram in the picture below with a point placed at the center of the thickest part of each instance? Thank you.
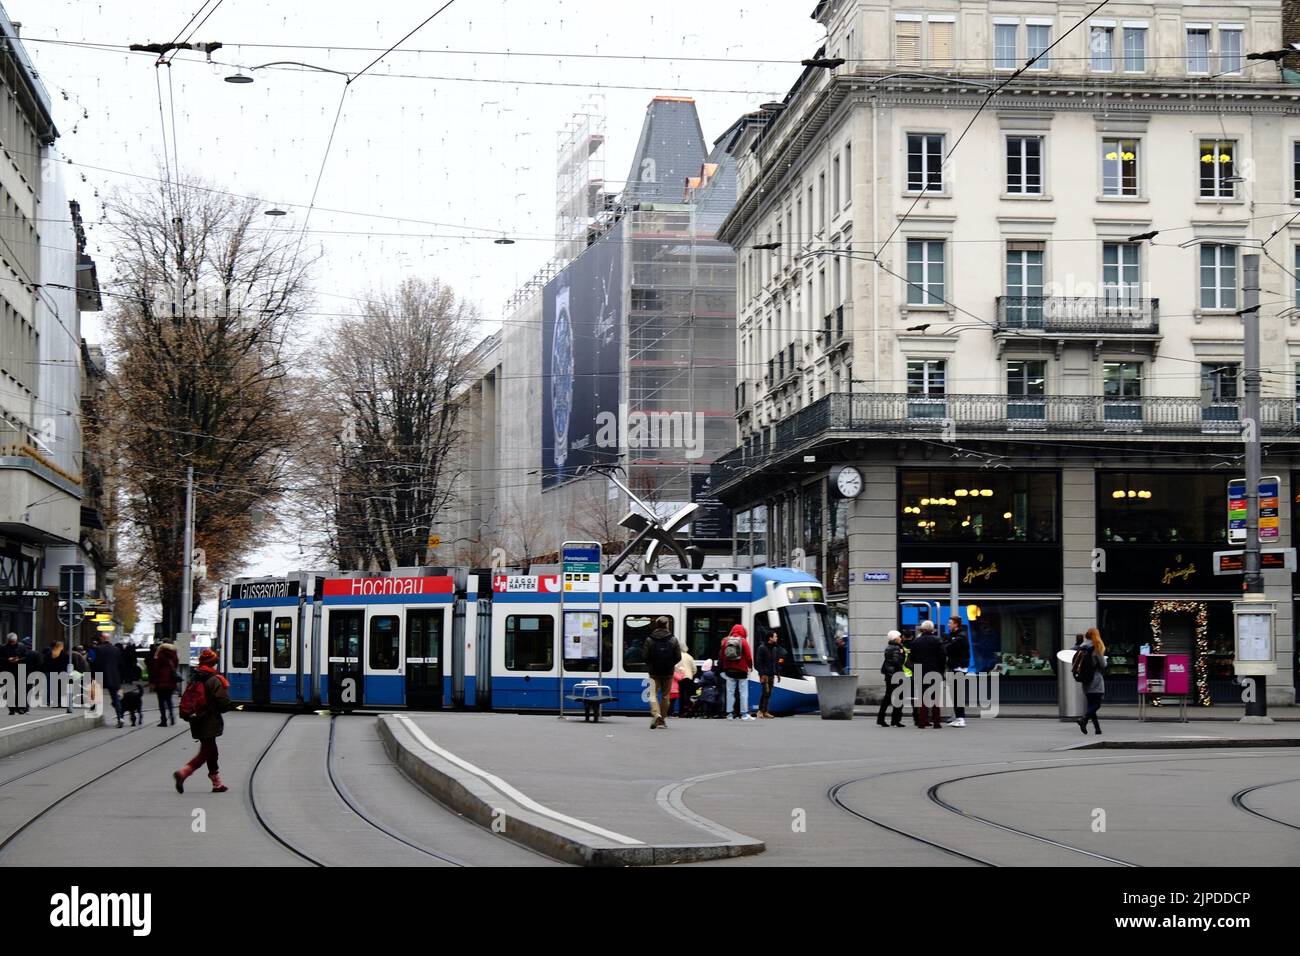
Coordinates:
(703, 606)
(427, 639)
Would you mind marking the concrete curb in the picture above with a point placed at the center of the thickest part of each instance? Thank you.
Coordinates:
(44, 730)
(1206, 743)
(492, 803)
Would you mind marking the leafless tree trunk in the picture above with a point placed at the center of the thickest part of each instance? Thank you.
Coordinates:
(389, 379)
(202, 309)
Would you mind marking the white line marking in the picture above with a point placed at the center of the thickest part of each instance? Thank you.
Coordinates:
(29, 723)
(509, 791)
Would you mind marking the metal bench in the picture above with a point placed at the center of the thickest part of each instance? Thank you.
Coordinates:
(591, 696)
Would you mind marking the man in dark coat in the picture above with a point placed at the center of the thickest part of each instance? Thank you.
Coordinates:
(106, 661)
(34, 666)
(765, 662)
(11, 655)
(207, 726)
(162, 678)
(927, 659)
(956, 649)
(662, 654)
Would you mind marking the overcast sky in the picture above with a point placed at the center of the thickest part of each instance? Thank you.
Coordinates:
(444, 145)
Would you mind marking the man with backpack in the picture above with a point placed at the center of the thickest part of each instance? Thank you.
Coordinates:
(206, 697)
(662, 654)
(736, 663)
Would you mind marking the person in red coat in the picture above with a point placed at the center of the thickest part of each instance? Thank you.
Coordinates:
(162, 681)
(736, 661)
(206, 726)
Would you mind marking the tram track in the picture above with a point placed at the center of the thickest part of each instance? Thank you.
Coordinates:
(13, 835)
(1239, 801)
(932, 793)
(55, 763)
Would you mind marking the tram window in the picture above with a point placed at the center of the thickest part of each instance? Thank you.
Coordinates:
(282, 645)
(345, 634)
(606, 648)
(239, 644)
(706, 629)
(530, 642)
(384, 637)
(261, 637)
(636, 631)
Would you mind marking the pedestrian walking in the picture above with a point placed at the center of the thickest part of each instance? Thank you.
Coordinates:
(736, 661)
(1088, 667)
(842, 650)
(765, 662)
(106, 660)
(33, 666)
(162, 680)
(10, 657)
(685, 684)
(662, 654)
(892, 669)
(54, 663)
(956, 652)
(927, 656)
(205, 699)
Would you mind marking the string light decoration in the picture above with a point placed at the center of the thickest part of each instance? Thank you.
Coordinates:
(1201, 662)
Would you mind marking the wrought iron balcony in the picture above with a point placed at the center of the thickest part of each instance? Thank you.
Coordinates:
(892, 415)
(1116, 314)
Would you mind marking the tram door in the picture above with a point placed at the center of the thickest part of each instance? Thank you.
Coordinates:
(345, 676)
(262, 657)
(424, 658)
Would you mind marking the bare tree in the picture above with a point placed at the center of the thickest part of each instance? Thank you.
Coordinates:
(389, 379)
(525, 531)
(597, 516)
(203, 305)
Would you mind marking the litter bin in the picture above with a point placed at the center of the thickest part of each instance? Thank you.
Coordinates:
(1070, 699)
(836, 694)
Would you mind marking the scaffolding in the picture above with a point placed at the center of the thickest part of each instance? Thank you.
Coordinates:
(581, 202)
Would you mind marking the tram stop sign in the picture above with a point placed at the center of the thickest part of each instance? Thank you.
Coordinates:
(581, 568)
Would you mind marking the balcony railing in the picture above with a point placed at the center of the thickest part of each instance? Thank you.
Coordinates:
(1109, 315)
(1012, 416)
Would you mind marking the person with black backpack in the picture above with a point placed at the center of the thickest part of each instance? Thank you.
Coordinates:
(662, 654)
(1088, 667)
(206, 698)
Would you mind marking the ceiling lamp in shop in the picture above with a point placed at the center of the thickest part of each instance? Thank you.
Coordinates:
(1131, 494)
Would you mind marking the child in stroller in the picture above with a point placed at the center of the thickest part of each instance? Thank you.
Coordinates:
(711, 694)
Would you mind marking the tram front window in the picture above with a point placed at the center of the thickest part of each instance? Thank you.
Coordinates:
(808, 629)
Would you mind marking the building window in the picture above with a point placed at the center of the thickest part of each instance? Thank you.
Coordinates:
(1297, 277)
(835, 185)
(1122, 391)
(1038, 37)
(821, 201)
(1219, 381)
(1004, 45)
(1135, 49)
(1119, 167)
(926, 388)
(941, 40)
(1161, 507)
(811, 204)
(848, 174)
(1217, 178)
(1121, 274)
(1218, 276)
(1198, 49)
(907, 42)
(1025, 165)
(1102, 47)
(1026, 386)
(924, 162)
(1295, 170)
(1024, 285)
(1230, 49)
(946, 506)
(925, 264)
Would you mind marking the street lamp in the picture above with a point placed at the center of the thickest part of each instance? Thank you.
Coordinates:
(242, 78)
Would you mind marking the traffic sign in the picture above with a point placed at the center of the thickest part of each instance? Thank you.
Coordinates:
(1270, 522)
(72, 613)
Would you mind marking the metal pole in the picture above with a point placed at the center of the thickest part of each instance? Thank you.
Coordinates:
(187, 598)
(1254, 584)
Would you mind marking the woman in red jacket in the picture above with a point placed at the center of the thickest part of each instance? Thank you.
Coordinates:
(162, 680)
(735, 660)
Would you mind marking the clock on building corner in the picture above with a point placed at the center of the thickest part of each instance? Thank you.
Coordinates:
(849, 482)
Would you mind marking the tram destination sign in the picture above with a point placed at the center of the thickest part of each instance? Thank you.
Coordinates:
(926, 575)
(1270, 559)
